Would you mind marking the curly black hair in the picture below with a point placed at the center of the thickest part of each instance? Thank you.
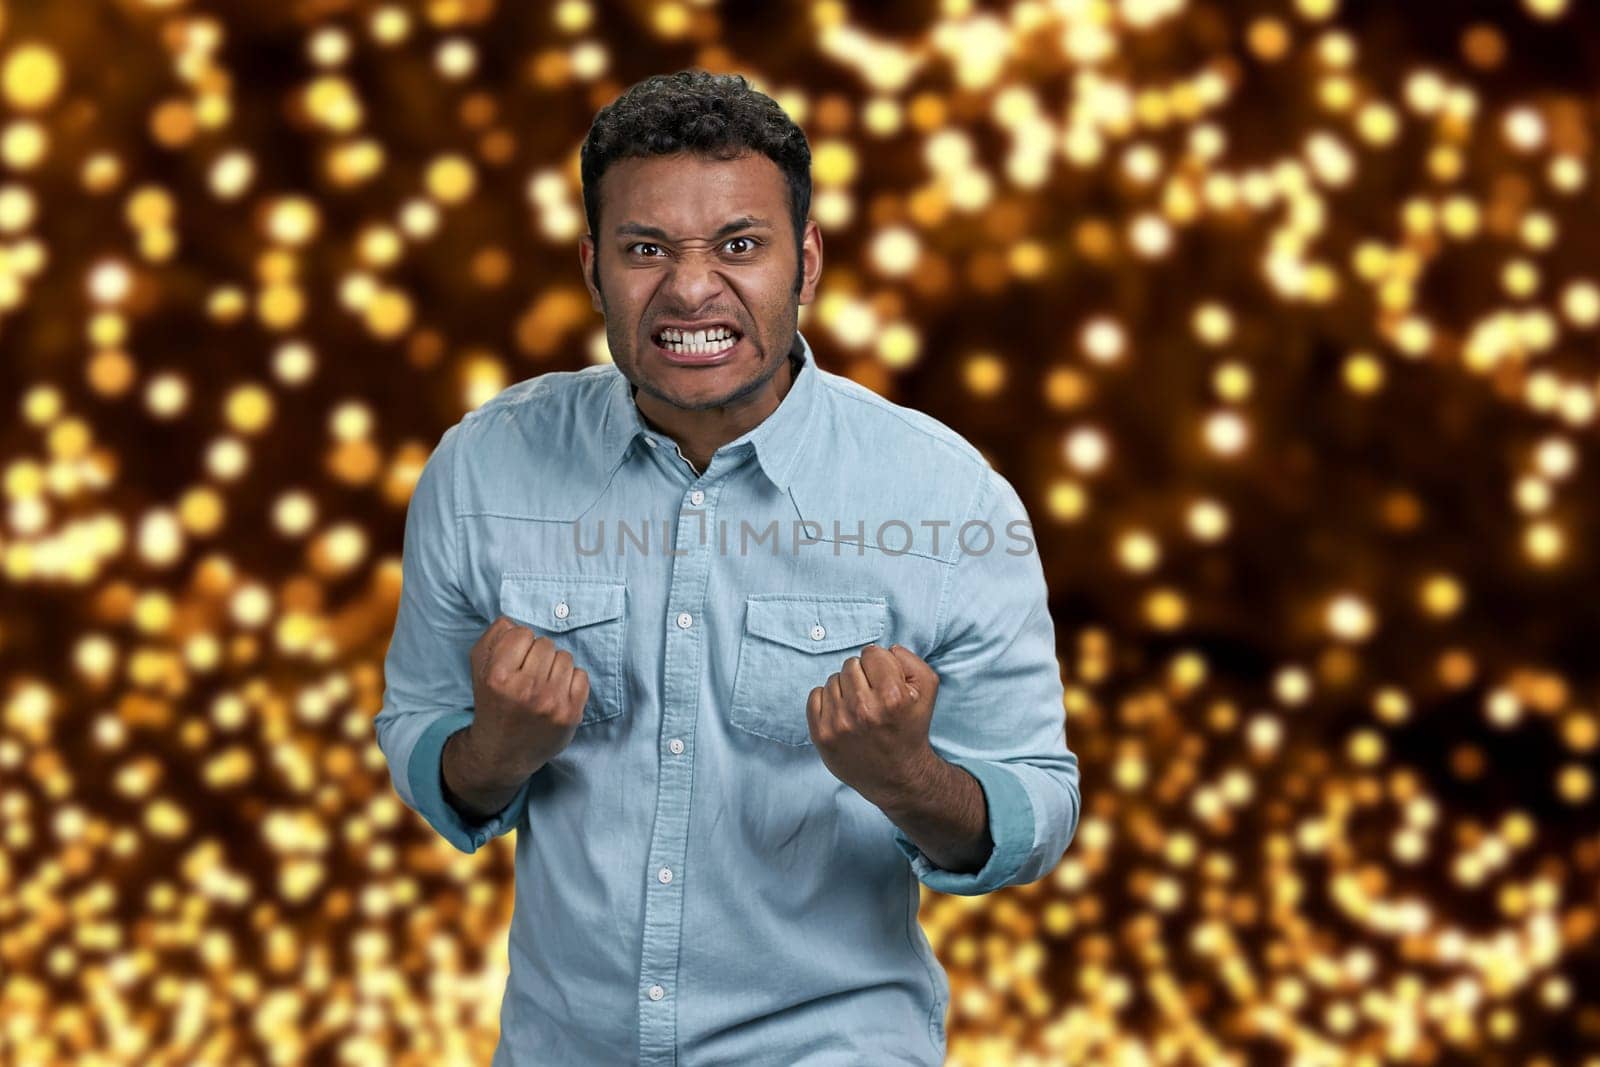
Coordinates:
(713, 115)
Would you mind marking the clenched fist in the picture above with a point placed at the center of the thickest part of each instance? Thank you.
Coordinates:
(870, 722)
(528, 697)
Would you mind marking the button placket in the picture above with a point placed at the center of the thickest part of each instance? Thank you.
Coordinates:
(690, 565)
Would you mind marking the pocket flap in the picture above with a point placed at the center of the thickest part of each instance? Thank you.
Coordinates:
(560, 602)
(816, 624)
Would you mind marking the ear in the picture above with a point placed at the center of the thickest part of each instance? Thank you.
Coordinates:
(588, 263)
(810, 261)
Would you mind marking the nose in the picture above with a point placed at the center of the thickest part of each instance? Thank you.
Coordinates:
(693, 280)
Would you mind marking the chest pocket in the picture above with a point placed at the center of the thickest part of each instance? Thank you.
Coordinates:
(583, 615)
(791, 645)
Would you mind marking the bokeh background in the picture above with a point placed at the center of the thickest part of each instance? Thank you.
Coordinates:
(1281, 316)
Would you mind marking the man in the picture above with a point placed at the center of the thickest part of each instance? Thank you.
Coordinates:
(752, 672)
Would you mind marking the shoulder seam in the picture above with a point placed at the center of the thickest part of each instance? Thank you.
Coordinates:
(961, 448)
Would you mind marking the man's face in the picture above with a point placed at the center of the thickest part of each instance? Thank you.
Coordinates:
(691, 241)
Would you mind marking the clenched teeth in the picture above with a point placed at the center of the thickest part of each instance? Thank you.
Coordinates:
(716, 339)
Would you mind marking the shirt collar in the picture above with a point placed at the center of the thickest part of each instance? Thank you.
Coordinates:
(779, 440)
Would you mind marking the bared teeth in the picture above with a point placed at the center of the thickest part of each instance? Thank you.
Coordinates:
(714, 339)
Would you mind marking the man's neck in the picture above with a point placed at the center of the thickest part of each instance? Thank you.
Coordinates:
(697, 443)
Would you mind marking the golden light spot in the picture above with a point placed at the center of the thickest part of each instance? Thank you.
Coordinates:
(1212, 323)
(1150, 236)
(1067, 501)
(23, 144)
(1442, 595)
(1580, 731)
(294, 513)
(1575, 783)
(250, 606)
(32, 77)
(351, 420)
(1502, 708)
(95, 656)
(231, 174)
(1363, 373)
(292, 221)
(1292, 685)
(166, 395)
(899, 345)
(1207, 520)
(984, 374)
(1103, 340)
(1566, 174)
(153, 612)
(388, 313)
(670, 20)
(338, 549)
(166, 819)
(332, 102)
(573, 16)
(160, 538)
(1556, 458)
(482, 378)
(882, 116)
(451, 179)
(1226, 433)
(1546, 9)
(894, 251)
(455, 58)
(1268, 38)
(227, 458)
(590, 60)
(1524, 129)
(328, 47)
(248, 408)
(201, 511)
(1349, 618)
(293, 363)
(1391, 706)
(17, 208)
(1544, 543)
(1232, 381)
(1066, 388)
(1087, 449)
(1138, 551)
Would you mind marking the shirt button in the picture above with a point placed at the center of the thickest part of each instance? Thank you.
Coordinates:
(685, 620)
(562, 610)
(651, 441)
(818, 633)
(676, 745)
(656, 992)
(697, 498)
(664, 875)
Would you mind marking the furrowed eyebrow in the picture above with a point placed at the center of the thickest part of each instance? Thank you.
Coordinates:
(638, 229)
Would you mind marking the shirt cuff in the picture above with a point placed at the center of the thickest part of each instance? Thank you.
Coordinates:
(1010, 828)
(426, 772)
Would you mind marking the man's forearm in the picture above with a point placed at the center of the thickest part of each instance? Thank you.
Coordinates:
(472, 784)
(944, 813)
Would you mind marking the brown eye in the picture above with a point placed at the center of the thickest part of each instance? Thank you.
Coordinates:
(746, 240)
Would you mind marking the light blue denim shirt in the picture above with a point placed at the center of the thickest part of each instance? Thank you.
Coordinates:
(693, 886)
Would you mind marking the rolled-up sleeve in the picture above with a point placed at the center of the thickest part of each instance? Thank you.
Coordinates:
(999, 713)
(427, 693)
